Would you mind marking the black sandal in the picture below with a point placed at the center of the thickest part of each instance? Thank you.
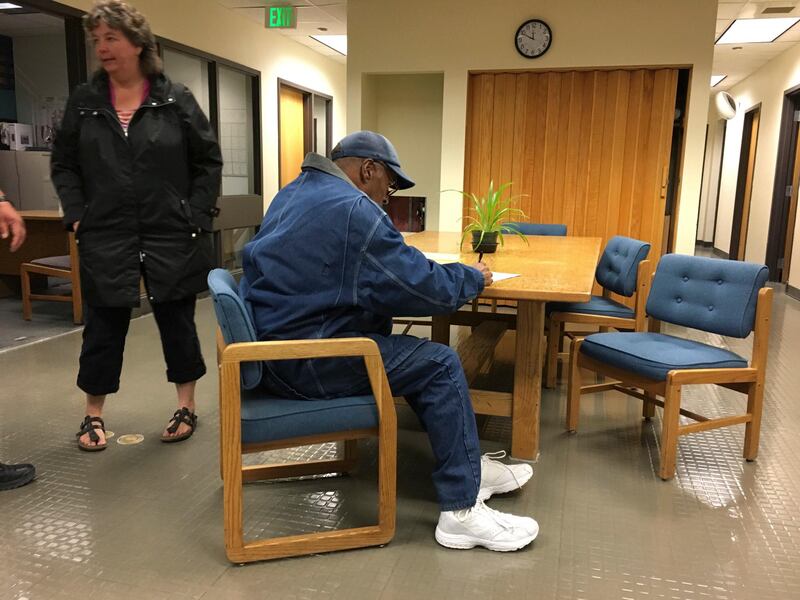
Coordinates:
(89, 425)
(182, 415)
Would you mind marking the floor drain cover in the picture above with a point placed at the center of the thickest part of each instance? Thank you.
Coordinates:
(130, 438)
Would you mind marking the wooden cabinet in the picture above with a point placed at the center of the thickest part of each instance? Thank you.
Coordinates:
(407, 212)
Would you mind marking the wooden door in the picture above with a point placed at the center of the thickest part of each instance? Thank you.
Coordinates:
(589, 149)
(292, 140)
(744, 186)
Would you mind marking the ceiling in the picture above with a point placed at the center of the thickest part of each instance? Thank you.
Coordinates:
(738, 64)
(311, 16)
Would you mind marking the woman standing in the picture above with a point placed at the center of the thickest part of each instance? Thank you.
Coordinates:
(138, 170)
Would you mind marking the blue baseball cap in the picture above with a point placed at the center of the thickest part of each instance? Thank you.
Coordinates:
(368, 144)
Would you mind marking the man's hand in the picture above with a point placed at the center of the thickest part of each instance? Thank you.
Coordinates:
(10, 221)
(75, 226)
(487, 274)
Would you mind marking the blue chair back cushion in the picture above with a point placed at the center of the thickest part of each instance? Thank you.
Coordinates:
(539, 228)
(619, 264)
(234, 320)
(653, 355)
(709, 294)
(266, 418)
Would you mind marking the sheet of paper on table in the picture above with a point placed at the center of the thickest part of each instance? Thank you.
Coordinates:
(442, 258)
(497, 276)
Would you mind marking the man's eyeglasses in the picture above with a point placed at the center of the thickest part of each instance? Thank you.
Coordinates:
(390, 176)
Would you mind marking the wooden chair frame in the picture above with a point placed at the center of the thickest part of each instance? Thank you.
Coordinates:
(557, 320)
(231, 450)
(747, 380)
(73, 274)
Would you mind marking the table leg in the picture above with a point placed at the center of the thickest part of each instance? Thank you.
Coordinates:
(527, 380)
(440, 330)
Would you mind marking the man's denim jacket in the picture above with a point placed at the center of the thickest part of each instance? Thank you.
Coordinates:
(328, 262)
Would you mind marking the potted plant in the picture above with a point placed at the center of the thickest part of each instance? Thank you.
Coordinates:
(489, 223)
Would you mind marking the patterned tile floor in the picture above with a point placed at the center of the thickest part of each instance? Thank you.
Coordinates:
(145, 520)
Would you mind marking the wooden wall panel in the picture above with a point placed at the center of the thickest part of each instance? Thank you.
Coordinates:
(586, 148)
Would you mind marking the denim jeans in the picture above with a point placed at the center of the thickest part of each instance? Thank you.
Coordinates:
(430, 377)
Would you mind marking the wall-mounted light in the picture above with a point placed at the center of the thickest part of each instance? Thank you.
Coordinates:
(715, 79)
(746, 31)
(337, 43)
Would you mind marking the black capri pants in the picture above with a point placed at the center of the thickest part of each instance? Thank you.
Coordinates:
(104, 343)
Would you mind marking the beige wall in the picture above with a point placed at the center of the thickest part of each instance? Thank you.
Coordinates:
(455, 36)
(208, 26)
(394, 99)
(40, 70)
(766, 86)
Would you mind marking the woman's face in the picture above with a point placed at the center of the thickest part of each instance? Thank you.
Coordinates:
(115, 51)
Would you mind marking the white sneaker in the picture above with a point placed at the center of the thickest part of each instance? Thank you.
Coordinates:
(482, 526)
(499, 478)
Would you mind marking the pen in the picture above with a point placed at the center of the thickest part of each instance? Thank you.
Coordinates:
(480, 256)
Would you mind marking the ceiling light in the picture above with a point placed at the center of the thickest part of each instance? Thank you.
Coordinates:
(8, 6)
(745, 31)
(715, 79)
(334, 42)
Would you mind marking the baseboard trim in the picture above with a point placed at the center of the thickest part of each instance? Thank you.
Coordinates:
(719, 253)
(792, 292)
(703, 244)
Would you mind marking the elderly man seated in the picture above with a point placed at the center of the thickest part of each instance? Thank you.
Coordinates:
(329, 263)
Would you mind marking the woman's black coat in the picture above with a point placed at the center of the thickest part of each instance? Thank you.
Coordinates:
(145, 200)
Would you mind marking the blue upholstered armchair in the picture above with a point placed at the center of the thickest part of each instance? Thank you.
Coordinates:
(718, 296)
(622, 270)
(253, 421)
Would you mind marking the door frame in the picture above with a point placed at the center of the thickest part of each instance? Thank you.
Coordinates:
(677, 153)
(741, 206)
(778, 220)
(308, 118)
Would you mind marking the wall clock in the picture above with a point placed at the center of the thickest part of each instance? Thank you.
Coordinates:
(533, 38)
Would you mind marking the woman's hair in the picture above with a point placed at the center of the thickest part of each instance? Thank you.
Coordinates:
(125, 18)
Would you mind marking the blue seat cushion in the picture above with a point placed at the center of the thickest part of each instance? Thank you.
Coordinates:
(598, 305)
(653, 355)
(266, 418)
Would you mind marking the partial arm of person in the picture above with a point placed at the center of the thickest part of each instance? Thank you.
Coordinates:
(11, 223)
(205, 161)
(65, 168)
(392, 278)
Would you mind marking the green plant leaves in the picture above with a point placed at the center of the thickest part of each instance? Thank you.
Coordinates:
(492, 212)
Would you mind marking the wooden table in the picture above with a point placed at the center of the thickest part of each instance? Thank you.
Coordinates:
(46, 236)
(551, 268)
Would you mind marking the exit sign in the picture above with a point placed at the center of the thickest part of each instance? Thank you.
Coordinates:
(281, 17)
